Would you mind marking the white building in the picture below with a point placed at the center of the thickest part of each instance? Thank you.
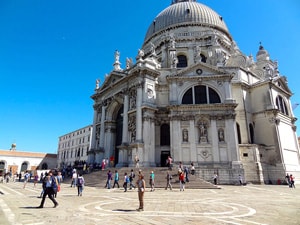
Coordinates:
(73, 147)
(194, 95)
(14, 161)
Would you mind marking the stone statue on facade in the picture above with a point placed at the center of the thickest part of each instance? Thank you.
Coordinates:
(172, 41)
(185, 135)
(97, 83)
(221, 135)
(203, 133)
(152, 49)
(197, 54)
(132, 129)
(117, 64)
(129, 63)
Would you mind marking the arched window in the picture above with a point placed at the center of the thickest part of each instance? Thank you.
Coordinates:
(203, 58)
(280, 103)
(2, 165)
(182, 61)
(165, 135)
(24, 166)
(238, 130)
(201, 95)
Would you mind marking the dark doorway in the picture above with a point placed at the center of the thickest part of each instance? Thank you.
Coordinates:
(163, 158)
(165, 135)
(119, 131)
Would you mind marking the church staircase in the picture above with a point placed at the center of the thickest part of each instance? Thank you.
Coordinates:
(98, 178)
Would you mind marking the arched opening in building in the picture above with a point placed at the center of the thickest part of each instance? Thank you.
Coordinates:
(203, 58)
(182, 61)
(281, 106)
(238, 130)
(201, 95)
(251, 129)
(2, 165)
(165, 143)
(119, 132)
(24, 166)
(165, 135)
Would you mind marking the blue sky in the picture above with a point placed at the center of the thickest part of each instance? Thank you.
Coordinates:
(52, 51)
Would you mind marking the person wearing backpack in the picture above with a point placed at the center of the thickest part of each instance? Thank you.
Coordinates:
(50, 187)
(80, 184)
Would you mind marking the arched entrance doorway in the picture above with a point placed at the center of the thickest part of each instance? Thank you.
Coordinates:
(164, 144)
(24, 166)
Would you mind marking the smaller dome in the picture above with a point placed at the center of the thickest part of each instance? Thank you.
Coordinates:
(262, 53)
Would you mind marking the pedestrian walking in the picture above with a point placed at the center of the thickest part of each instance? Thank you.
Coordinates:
(108, 181)
(116, 179)
(181, 181)
(74, 178)
(80, 184)
(292, 181)
(215, 177)
(35, 179)
(26, 178)
(137, 161)
(131, 177)
(141, 190)
(186, 173)
(287, 178)
(151, 181)
(240, 179)
(51, 185)
(169, 178)
(126, 181)
(59, 181)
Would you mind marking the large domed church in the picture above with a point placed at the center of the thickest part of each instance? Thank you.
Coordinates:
(193, 95)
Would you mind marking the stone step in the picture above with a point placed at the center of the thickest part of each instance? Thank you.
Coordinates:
(99, 178)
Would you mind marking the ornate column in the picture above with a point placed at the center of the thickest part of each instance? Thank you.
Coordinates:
(125, 118)
(215, 140)
(123, 150)
(102, 133)
(149, 138)
(91, 156)
(175, 133)
(102, 128)
(228, 94)
(173, 98)
(139, 121)
(192, 140)
(232, 146)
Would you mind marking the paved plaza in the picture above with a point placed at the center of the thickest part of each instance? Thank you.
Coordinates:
(240, 205)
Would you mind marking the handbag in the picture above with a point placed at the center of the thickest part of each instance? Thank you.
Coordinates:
(58, 188)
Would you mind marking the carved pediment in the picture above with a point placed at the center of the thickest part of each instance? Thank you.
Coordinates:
(281, 83)
(199, 69)
(111, 79)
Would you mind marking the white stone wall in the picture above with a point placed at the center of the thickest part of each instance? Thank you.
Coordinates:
(70, 143)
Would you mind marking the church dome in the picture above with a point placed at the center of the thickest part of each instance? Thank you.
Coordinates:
(186, 12)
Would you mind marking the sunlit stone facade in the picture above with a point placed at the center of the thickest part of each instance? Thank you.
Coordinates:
(192, 94)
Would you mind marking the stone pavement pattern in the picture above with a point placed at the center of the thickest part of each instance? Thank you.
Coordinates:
(239, 205)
